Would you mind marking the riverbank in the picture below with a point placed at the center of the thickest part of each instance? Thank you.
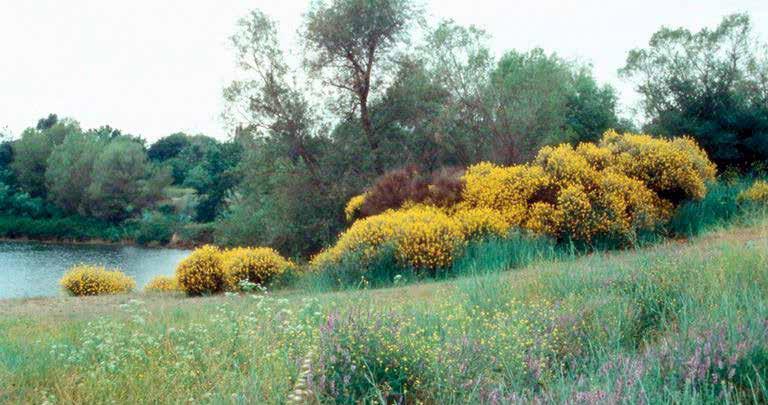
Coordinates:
(561, 330)
(77, 230)
(177, 244)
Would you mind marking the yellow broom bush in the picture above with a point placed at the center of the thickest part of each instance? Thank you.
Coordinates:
(162, 284)
(352, 209)
(96, 280)
(624, 184)
(417, 232)
(428, 238)
(480, 222)
(677, 169)
(256, 265)
(757, 193)
(202, 272)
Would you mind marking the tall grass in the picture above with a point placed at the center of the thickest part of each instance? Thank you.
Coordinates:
(718, 208)
(671, 324)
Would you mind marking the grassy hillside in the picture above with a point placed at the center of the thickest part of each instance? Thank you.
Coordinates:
(678, 322)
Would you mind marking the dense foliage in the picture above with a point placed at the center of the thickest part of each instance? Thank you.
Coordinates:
(711, 85)
(390, 109)
(431, 102)
(58, 181)
(606, 192)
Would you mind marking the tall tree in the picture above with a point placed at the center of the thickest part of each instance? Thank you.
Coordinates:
(267, 99)
(119, 172)
(711, 84)
(69, 171)
(459, 60)
(32, 150)
(352, 43)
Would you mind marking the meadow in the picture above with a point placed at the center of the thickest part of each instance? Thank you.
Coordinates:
(678, 322)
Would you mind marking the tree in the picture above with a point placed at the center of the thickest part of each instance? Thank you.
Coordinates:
(118, 174)
(504, 111)
(711, 84)
(69, 171)
(284, 182)
(459, 61)
(6, 152)
(591, 109)
(32, 150)
(271, 105)
(47, 123)
(168, 147)
(350, 43)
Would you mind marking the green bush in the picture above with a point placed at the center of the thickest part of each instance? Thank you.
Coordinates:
(719, 207)
(73, 228)
(155, 228)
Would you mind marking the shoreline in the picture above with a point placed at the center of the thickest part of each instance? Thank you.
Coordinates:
(99, 242)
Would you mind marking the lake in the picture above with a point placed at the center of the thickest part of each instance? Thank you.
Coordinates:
(32, 269)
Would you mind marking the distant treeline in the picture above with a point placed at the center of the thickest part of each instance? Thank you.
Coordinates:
(378, 90)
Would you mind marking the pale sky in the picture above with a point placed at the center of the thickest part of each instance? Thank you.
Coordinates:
(154, 67)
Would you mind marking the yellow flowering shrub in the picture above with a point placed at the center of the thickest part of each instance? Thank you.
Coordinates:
(564, 165)
(352, 209)
(364, 236)
(576, 207)
(627, 204)
(676, 170)
(424, 237)
(428, 238)
(597, 157)
(757, 193)
(202, 272)
(256, 265)
(611, 190)
(480, 222)
(95, 280)
(626, 183)
(504, 189)
(544, 219)
(163, 284)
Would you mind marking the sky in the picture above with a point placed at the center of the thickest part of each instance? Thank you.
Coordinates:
(155, 67)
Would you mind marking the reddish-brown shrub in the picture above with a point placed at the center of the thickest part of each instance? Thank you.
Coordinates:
(442, 188)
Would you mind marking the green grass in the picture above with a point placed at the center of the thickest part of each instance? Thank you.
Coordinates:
(664, 324)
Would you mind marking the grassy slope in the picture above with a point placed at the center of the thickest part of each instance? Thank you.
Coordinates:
(621, 326)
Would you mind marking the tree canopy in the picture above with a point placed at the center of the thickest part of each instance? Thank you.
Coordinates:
(711, 84)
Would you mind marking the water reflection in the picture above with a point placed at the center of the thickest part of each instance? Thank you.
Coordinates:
(29, 269)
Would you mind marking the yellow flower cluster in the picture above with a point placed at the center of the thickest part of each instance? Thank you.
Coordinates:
(162, 284)
(352, 208)
(202, 272)
(424, 237)
(481, 222)
(427, 238)
(610, 189)
(677, 169)
(209, 270)
(96, 280)
(757, 193)
(506, 190)
(624, 184)
(256, 265)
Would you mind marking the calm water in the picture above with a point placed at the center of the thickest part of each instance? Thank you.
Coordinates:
(30, 269)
